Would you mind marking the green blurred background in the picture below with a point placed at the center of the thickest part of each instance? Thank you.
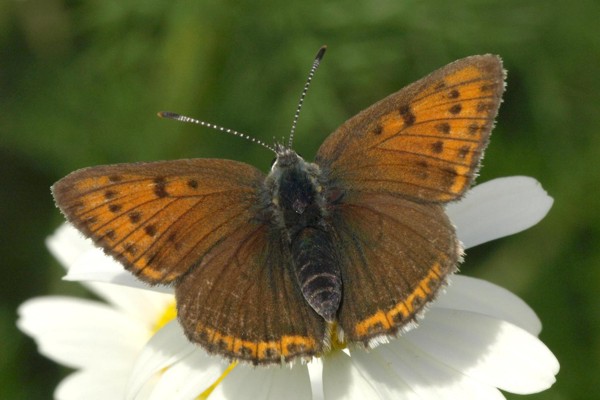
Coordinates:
(81, 82)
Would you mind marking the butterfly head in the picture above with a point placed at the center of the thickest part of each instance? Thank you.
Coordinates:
(285, 157)
(290, 165)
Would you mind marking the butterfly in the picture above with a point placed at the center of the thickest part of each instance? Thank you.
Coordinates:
(266, 268)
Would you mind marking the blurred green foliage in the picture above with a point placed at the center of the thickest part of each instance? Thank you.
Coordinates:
(81, 81)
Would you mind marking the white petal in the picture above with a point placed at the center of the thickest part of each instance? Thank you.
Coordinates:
(95, 266)
(493, 351)
(471, 294)
(67, 244)
(93, 385)
(144, 305)
(81, 333)
(499, 208)
(70, 248)
(166, 347)
(342, 380)
(315, 372)
(400, 370)
(189, 377)
(270, 383)
(86, 262)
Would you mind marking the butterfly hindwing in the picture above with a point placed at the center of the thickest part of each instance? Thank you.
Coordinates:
(425, 141)
(243, 302)
(396, 255)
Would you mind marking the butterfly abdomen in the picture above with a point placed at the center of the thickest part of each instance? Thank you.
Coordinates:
(317, 270)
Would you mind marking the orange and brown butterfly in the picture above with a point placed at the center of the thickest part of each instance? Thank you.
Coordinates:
(265, 267)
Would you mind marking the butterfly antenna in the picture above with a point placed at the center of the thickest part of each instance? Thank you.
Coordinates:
(183, 118)
(313, 69)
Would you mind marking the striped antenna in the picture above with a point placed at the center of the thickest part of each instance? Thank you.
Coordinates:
(313, 69)
(183, 118)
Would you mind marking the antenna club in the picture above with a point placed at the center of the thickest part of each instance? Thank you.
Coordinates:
(321, 52)
(168, 114)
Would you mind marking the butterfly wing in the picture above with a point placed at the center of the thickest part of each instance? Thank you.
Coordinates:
(396, 255)
(423, 142)
(250, 307)
(159, 219)
(389, 170)
(203, 225)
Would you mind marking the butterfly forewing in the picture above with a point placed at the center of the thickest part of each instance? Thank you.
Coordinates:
(159, 219)
(397, 253)
(423, 142)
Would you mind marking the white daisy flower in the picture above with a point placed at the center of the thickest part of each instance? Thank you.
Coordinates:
(100, 340)
(475, 340)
